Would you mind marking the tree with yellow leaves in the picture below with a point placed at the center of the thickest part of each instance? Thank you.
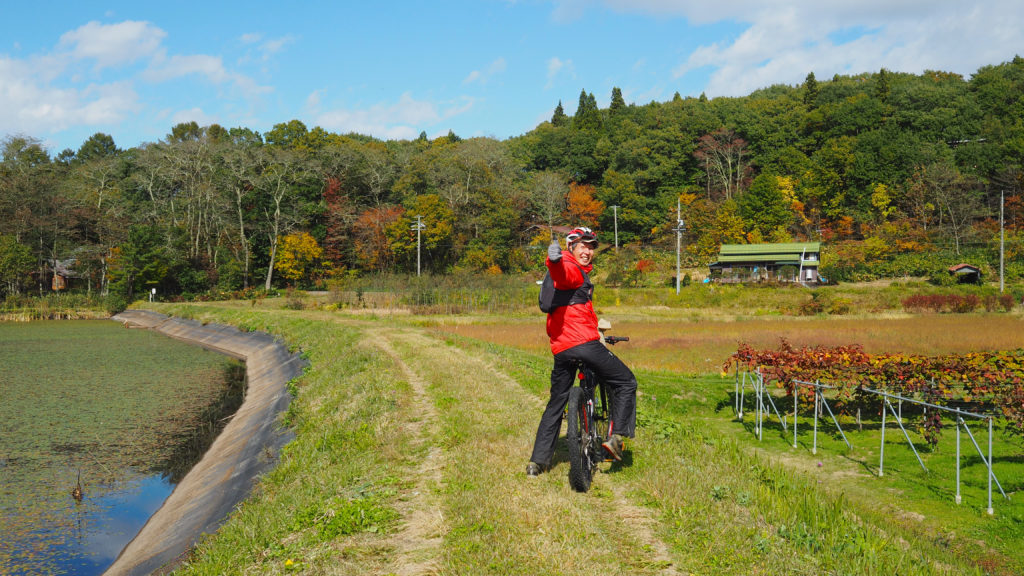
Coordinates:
(299, 254)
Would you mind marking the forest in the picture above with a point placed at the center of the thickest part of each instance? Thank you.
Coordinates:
(897, 174)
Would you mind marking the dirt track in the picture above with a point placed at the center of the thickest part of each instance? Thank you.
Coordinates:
(246, 448)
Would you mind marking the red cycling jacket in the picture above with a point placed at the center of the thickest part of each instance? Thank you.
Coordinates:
(575, 324)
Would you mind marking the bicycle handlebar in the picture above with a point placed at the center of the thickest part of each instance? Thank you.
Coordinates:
(614, 339)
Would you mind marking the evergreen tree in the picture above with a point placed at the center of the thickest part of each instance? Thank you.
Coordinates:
(99, 145)
(618, 103)
(882, 85)
(811, 90)
(588, 117)
(559, 118)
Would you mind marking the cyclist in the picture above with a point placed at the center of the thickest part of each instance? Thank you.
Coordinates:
(574, 336)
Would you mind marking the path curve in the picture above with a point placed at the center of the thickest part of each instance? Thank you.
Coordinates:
(247, 447)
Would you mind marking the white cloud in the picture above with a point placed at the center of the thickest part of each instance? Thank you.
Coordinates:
(272, 47)
(313, 100)
(494, 68)
(112, 44)
(30, 104)
(786, 40)
(194, 114)
(556, 67)
(404, 119)
(164, 69)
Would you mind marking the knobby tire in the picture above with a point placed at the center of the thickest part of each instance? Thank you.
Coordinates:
(581, 468)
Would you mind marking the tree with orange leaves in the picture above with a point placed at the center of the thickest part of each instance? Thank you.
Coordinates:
(582, 208)
(373, 247)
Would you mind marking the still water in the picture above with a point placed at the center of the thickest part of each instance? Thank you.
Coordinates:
(89, 403)
(102, 526)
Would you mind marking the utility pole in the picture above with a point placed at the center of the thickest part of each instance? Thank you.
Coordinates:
(1002, 199)
(680, 227)
(417, 227)
(615, 212)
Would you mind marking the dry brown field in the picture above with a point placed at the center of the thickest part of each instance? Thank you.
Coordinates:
(701, 346)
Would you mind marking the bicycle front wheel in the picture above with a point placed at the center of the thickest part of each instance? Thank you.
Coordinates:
(580, 429)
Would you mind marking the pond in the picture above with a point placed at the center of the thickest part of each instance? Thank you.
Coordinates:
(115, 416)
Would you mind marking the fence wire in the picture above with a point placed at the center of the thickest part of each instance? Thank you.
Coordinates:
(764, 405)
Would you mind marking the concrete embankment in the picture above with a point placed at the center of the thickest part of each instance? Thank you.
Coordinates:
(246, 448)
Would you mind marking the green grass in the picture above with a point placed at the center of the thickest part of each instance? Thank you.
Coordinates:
(729, 503)
(717, 500)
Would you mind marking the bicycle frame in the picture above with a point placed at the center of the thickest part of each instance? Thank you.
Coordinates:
(596, 399)
(588, 411)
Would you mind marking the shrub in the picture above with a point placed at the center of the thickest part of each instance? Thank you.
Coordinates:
(1007, 301)
(957, 303)
(964, 303)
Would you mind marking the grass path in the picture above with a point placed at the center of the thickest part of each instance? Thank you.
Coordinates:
(417, 544)
(500, 520)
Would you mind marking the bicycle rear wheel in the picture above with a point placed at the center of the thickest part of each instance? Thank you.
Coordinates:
(580, 429)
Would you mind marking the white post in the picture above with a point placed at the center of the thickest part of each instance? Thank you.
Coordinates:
(796, 406)
(615, 213)
(1002, 195)
(958, 421)
(417, 227)
(679, 239)
(881, 450)
(817, 390)
(990, 473)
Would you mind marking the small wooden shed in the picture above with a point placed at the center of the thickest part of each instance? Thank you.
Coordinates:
(966, 273)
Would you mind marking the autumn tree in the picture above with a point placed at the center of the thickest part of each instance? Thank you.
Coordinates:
(299, 255)
(370, 237)
(582, 208)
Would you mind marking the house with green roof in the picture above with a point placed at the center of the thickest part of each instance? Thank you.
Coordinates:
(786, 262)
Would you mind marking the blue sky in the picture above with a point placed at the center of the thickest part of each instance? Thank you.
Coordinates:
(481, 68)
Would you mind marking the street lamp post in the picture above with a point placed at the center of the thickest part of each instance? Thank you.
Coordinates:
(418, 226)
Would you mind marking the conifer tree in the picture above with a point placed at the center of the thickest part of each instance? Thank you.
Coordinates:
(810, 90)
(559, 118)
(618, 103)
(588, 117)
(882, 85)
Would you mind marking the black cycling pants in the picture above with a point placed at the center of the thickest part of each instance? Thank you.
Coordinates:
(619, 383)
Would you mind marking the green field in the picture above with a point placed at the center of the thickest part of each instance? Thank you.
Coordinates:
(413, 431)
(90, 401)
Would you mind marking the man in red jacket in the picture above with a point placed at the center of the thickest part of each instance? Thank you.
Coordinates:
(572, 329)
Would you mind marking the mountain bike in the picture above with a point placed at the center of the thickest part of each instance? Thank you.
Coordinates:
(588, 409)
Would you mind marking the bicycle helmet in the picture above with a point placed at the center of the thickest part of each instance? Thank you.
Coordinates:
(581, 234)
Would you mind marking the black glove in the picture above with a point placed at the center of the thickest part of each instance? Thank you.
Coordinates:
(554, 251)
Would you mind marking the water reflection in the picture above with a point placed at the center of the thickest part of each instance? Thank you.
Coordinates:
(90, 536)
